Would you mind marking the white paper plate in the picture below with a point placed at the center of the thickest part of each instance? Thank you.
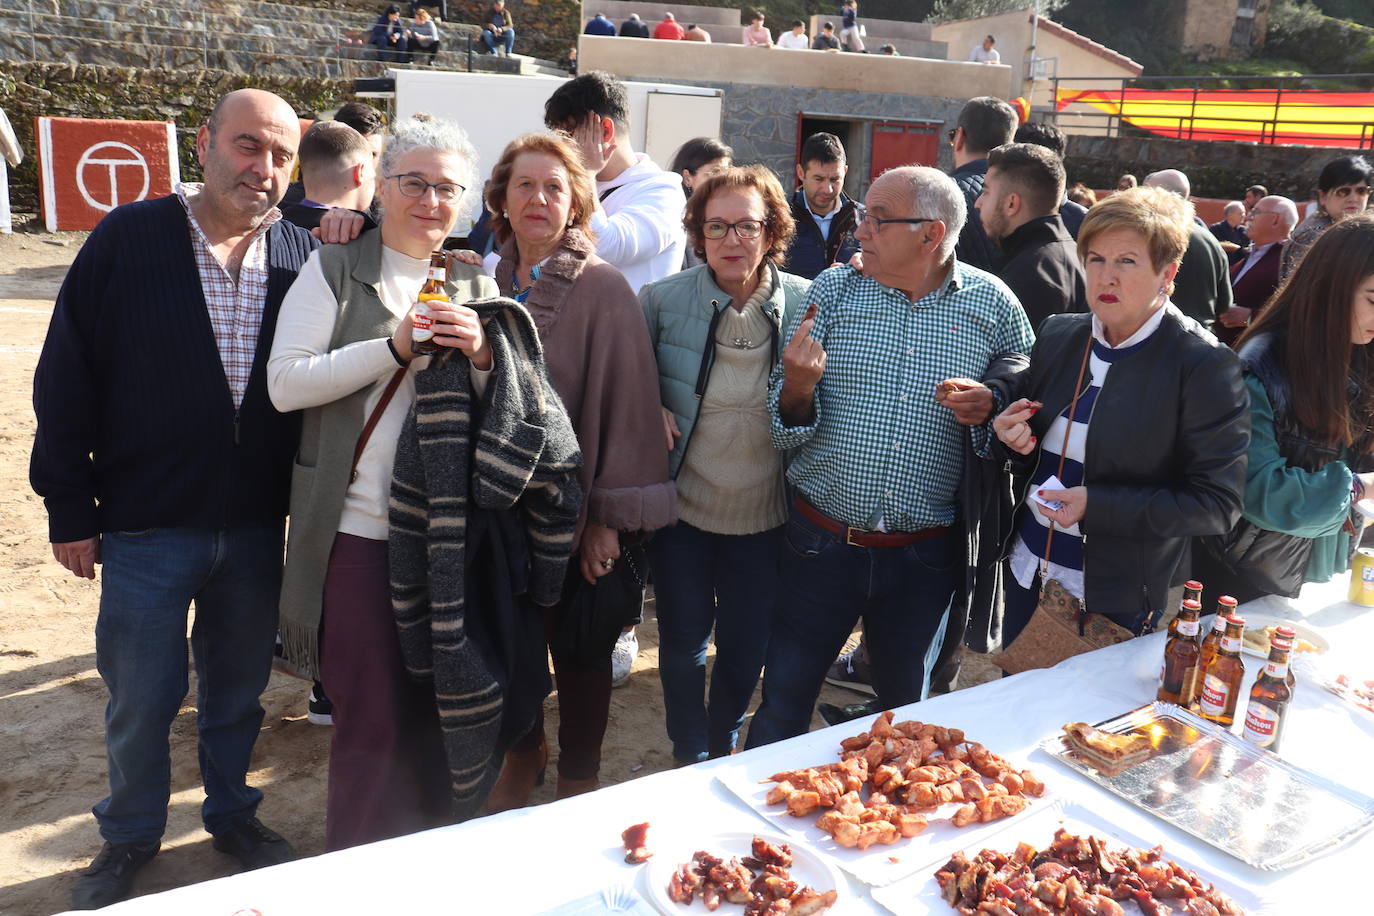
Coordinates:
(1256, 622)
(920, 893)
(807, 869)
(877, 865)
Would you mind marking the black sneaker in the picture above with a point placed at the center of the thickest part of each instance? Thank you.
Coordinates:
(321, 710)
(837, 715)
(110, 878)
(851, 670)
(254, 845)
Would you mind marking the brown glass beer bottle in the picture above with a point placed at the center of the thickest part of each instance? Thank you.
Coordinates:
(1192, 591)
(421, 319)
(1222, 679)
(1178, 684)
(1226, 606)
(1269, 698)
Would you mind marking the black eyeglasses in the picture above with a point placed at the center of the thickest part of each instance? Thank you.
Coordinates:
(861, 215)
(746, 229)
(415, 186)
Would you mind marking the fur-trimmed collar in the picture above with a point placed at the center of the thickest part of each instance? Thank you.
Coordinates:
(556, 276)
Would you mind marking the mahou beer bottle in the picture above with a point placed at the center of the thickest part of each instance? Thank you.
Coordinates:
(1192, 591)
(421, 319)
(1178, 683)
(1269, 698)
(1287, 637)
(1226, 606)
(1221, 680)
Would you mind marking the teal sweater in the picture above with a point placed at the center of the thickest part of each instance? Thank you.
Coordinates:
(1279, 497)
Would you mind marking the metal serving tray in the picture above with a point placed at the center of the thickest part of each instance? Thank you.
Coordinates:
(1244, 800)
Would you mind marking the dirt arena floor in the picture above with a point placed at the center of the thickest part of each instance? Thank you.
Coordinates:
(52, 757)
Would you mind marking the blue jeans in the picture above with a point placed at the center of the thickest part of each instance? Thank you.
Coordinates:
(507, 40)
(149, 579)
(704, 580)
(903, 595)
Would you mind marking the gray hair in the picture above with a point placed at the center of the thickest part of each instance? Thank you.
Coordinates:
(1232, 207)
(1285, 208)
(442, 136)
(934, 195)
(1169, 180)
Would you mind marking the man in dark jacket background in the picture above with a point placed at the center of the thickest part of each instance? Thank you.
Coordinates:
(984, 123)
(1054, 140)
(634, 27)
(1202, 288)
(824, 216)
(1019, 208)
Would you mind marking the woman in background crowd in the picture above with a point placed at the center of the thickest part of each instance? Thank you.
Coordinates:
(696, 160)
(715, 330)
(1143, 482)
(1342, 191)
(1082, 195)
(597, 348)
(424, 36)
(1310, 377)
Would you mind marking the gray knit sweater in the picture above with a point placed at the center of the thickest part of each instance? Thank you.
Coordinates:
(521, 454)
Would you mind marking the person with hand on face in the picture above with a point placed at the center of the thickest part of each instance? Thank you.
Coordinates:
(823, 214)
(1255, 270)
(872, 397)
(1342, 192)
(1309, 376)
(1134, 486)
(173, 473)
(716, 330)
(542, 202)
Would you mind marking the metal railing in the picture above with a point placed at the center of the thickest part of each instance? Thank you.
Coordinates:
(1268, 125)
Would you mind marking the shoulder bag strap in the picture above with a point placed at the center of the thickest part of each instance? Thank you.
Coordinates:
(1064, 449)
(375, 418)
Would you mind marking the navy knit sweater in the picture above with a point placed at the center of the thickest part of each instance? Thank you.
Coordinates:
(136, 425)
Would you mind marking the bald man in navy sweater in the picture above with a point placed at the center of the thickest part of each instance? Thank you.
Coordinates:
(160, 457)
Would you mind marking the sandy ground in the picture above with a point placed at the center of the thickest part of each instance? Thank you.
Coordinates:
(52, 758)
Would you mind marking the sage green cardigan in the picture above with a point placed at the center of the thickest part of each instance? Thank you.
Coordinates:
(329, 434)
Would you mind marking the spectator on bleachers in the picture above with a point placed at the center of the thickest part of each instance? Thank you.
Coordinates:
(600, 25)
(755, 34)
(696, 33)
(985, 53)
(499, 32)
(851, 33)
(889, 50)
(441, 6)
(826, 41)
(634, 27)
(389, 37)
(796, 39)
(424, 36)
(669, 29)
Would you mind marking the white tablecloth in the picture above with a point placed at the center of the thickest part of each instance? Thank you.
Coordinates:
(535, 859)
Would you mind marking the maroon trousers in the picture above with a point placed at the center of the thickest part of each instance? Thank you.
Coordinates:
(388, 774)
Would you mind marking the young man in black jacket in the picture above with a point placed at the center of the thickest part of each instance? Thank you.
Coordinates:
(984, 124)
(1019, 208)
(159, 456)
(824, 216)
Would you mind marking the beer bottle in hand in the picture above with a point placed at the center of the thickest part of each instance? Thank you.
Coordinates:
(1178, 684)
(1226, 606)
(1269, 698)
(1221, 681)
(421, 319)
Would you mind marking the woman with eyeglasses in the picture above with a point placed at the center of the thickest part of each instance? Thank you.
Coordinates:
(343, 332)
(1342, 191)
(541, 199)
(716, 332)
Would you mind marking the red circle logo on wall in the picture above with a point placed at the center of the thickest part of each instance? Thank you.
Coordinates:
(90, 166)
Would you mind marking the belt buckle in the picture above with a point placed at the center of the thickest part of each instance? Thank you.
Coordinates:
(850, 533)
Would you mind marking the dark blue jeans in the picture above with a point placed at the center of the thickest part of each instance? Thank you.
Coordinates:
(902, 594)
(507, 40)
(704, 581)
(148, 580)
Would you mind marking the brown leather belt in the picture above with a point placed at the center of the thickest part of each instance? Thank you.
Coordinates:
(859, 537)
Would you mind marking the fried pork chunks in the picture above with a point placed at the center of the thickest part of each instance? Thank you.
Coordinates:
(761, 881)
(1076, 876)
(910, 769)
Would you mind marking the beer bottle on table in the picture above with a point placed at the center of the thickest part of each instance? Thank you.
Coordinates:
(1221, 680)
(1192, 591)
(1269, 698)
(1226, 606)
(1287, 636)
(421, 319)
(1179, 682)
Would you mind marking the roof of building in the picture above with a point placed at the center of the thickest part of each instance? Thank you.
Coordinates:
(1069, 35)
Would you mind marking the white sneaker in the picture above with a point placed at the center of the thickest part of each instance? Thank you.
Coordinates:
(623, 658)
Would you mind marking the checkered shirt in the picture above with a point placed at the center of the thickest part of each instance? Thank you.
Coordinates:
(880, 449)
(235, 309)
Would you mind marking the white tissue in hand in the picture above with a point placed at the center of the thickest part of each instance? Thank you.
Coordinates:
(1054, 483)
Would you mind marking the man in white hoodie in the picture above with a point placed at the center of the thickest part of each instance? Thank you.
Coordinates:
(638, 219)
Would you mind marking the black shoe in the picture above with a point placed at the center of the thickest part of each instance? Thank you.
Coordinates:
(110, 877)
(254, 845)
(320, 710)
(836, 715)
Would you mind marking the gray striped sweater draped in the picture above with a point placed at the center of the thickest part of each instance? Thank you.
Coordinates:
(521, 454)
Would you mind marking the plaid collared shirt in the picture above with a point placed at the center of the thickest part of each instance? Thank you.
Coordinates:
(235, 309)
(881, 450)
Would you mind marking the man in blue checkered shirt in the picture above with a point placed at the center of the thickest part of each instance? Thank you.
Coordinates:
(873, 397)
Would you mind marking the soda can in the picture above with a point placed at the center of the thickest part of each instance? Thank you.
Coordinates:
(1362, 578)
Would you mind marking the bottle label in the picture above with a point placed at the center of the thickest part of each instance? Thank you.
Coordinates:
(1261, 724)
(421, 323)
(1277, 670)
(438, 273)
(1230, 645)
(1188, 627)
(1214, 695)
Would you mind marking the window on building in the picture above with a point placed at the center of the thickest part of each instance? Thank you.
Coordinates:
(1242, 34)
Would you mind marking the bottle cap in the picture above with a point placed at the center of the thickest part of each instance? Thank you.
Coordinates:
(1227, 600)
(1192, 604)
(1236, 619)
(1193, 585)
(1286, 632)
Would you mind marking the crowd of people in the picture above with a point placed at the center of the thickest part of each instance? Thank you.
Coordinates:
(393, 41)
(755, 35)
(794, 411)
